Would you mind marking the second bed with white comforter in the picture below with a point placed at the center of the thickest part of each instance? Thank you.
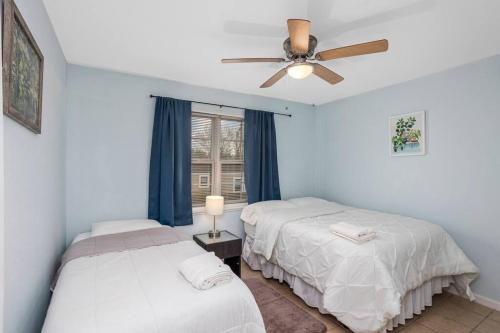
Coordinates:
(361, 284)
(142, 290)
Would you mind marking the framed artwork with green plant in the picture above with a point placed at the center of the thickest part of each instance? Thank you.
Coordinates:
(407, 134)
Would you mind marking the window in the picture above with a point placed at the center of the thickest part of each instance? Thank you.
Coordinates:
(204, 181)
(217, 158)
(238, 185)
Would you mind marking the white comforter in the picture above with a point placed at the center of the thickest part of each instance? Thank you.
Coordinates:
(142, 291)
(362, 285)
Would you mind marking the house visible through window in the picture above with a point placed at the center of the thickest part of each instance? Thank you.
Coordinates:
(217, 158)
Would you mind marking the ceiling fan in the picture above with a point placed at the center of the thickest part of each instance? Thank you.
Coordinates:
(299, 49)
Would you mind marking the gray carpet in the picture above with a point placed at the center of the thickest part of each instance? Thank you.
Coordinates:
(280, 314)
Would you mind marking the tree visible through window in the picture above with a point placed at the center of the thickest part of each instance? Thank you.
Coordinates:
(217, 158)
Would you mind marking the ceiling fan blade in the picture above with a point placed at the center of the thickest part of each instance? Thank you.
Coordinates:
(245, 60)
(273, 79)
(353, 50)
(299, 35)
(326, 74)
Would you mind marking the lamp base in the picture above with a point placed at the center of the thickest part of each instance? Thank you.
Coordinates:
(214, 234)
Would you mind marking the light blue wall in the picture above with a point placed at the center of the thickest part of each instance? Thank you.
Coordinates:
(109, 125)
(457, 184)
(34, 189)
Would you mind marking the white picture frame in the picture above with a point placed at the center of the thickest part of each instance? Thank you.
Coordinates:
(407, 134)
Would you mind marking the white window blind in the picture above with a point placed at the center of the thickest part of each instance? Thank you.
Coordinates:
(202, 162)
(217, 158)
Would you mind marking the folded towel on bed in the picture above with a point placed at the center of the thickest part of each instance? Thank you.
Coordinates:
(357, 234)
(205, 271)
(359, 240)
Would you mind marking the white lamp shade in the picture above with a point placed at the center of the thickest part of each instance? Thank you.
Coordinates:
(214, 205)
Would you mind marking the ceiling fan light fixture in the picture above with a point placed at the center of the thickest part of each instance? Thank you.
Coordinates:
(300, 71)
(299, 49)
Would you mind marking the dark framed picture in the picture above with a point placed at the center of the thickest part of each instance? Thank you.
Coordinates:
(22, 71)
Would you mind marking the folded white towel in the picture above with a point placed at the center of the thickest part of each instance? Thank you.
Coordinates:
(205, 271)
(353, 232)
(359, 240)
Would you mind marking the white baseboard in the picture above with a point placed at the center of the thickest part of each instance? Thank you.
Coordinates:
(491, 303)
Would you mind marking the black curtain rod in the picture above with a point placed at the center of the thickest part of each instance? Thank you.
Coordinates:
(230, 106)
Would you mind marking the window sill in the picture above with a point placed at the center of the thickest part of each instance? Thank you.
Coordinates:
(227, 208)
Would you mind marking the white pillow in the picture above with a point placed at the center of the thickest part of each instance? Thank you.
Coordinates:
(82, 236)
(117, 226)
(251, 213)
(306, 201)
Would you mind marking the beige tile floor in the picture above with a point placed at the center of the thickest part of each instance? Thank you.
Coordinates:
(449, 313)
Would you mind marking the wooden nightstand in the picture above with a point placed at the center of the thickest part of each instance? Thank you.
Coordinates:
(227, 247)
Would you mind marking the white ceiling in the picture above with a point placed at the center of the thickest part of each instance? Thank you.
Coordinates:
(184, 40)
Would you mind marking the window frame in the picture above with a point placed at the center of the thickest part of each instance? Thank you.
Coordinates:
(216, 162)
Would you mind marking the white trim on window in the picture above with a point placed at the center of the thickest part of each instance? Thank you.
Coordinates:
(204, 184)
(200, 210)
(215, 178)
(235, 179)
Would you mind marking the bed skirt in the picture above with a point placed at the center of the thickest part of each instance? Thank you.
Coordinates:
(412, 303)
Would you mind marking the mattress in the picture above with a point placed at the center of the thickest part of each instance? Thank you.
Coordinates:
(362, 285)
(142, 291)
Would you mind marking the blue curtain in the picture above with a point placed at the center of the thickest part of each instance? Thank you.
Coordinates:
(261, 160)
(170, 165)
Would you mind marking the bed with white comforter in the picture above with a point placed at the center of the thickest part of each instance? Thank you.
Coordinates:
(363, 285)
(142, 291)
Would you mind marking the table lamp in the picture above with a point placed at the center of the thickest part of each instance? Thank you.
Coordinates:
(214, 206)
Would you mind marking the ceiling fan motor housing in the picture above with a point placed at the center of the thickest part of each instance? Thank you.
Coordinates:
(294, 56)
